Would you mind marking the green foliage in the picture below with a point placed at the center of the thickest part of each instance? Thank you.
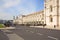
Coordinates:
(1, 26)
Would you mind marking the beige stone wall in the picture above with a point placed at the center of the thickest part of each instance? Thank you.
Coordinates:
(18, 20)
(47, 12)
(33, 17)
(59, 12)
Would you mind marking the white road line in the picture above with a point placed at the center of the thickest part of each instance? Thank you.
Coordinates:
(52, 37)
(31, 31)
(27, 30)
(6, 30)
(39, 34)
(14, 37)
(18, 28)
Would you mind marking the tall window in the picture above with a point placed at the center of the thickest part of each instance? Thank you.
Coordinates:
(13, 17)
(51, 19)
(50, 0)
(51, 9)
(17, 17)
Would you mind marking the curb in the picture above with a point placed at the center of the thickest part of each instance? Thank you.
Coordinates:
(46, 27)
(8, 28)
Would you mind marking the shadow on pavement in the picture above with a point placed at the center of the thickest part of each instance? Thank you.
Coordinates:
(3, 36)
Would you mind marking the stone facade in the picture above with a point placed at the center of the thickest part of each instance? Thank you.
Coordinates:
(52, 12)
(49, 16)
(19, 19)
(32, 19)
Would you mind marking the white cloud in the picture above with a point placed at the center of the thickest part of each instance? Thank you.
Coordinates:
(5, 16)
(29, 7)
(10, 3)
(7, 4)
(25, 8)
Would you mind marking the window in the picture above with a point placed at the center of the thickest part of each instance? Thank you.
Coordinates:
(42, 22)
(39, 22)
(51, 8)
(42, 18)
(17, 17)
(51, 19)
(50, 0)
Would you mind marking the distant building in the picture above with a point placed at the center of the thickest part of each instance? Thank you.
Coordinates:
(32, 19)
(2, 21)
(49, 16)
(18, 19)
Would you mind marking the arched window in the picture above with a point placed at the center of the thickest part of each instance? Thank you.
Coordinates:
(51, 18)
(51, 9)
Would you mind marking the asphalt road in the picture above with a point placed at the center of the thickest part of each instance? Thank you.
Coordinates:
(3, 36)
(28, 33)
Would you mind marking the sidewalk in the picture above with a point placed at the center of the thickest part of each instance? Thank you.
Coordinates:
(47, 27)
(52, 27)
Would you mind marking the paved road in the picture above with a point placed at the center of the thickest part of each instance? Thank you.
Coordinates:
(3, 36)
(11, 35)
(28, 33)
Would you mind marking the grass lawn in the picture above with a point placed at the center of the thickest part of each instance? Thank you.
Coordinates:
(1, 26)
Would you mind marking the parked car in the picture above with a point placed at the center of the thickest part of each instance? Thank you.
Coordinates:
(8, 23)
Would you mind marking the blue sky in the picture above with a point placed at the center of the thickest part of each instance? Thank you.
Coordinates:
(10, 8)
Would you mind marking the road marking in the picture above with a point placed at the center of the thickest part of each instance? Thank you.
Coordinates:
(6, 30)
(27, 30)
(39, 34)
(14, 37)
(31, 31)
(52, 37)
(18, 28)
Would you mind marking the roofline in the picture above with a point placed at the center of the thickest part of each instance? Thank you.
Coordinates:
(35, 13)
